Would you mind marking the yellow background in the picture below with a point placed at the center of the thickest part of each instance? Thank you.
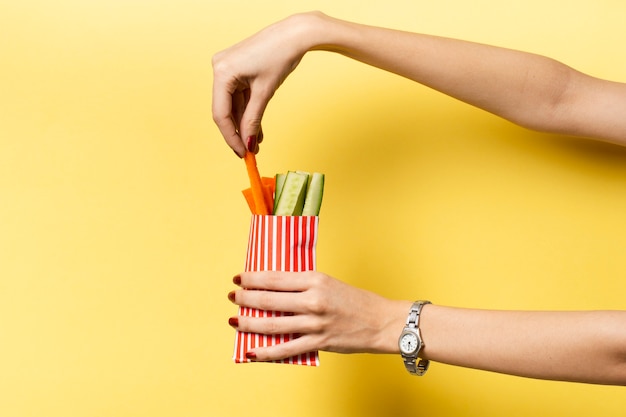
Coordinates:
(122, 222)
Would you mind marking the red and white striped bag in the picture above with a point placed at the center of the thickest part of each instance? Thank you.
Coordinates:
(277, 243)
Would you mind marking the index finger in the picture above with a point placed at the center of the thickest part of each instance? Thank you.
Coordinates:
(222, 105)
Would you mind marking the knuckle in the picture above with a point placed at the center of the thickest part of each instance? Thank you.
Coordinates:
(249, 324)
(253, 122)
(220, 65)
(265, 300)
(319, 280)
(316, 327)
(222, 116)
(219, 118)
(317, 305)
(270, 327)
(215, 59)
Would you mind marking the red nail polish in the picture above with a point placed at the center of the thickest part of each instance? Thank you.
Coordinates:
(231, 296)
(233, 321)
(252, 143)
(237, 280)
(250, 355)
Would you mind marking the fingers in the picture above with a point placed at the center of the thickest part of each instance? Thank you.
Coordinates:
(226, 105)
(308, 341)
(298, 346)
(305, 326)
(250, 123)
(238, 117)
(268, 300)
(274, 324)
(278, 280)
(239, 101)
(297, 293)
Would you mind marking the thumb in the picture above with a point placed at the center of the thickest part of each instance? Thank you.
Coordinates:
(250, 125)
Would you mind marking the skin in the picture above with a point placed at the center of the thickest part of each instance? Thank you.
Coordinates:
(531, 90)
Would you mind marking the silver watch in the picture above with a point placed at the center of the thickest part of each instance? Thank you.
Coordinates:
(410, 342)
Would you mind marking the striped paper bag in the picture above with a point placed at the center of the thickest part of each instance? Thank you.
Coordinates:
(277, 243)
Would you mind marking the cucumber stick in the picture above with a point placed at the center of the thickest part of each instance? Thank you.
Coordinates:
(280, 182)
(315, 191)
(291, 199)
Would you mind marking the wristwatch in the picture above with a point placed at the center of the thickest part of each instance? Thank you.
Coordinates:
(410, 342)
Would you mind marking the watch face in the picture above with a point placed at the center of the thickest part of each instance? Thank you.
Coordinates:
(408, 343)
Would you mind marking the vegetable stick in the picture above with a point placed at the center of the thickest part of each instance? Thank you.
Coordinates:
(269, 182)
(255, 184)
(247, 193)
(269, 187)
(268, 196)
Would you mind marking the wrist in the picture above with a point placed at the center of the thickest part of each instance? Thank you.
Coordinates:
(305, 30)
(320, 32)
(395, 318)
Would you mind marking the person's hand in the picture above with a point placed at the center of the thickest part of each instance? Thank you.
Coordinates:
(246, 76)
(328, 314)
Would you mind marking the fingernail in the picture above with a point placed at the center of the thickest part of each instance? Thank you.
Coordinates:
(252, 143)
(233, 321)
(231, 296)
(237, 280)
(260, 138)
(250, 355)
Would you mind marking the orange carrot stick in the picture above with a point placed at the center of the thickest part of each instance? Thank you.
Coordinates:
(268, 195)
(269, 186)
(255, 183)
(247, 193)
(269, 182)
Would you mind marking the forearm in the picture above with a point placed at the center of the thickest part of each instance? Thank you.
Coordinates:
(568, 346)
(528, 89)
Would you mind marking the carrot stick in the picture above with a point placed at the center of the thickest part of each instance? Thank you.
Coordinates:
(247, 193)
(255, 183)
(268, 196)
(269, 188)
(269, 182)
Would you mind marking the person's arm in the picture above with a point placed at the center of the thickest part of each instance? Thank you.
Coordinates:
(333, 316)
(531, 90)
(579, 346)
